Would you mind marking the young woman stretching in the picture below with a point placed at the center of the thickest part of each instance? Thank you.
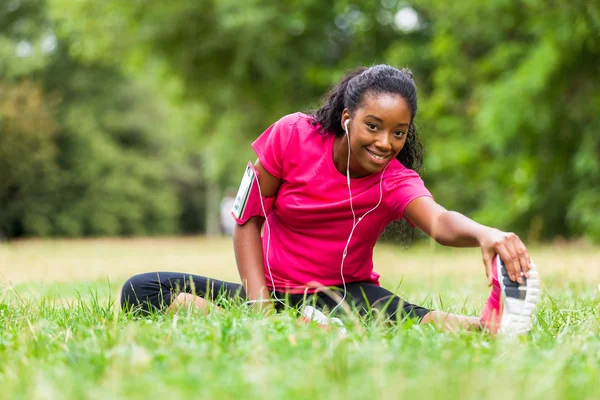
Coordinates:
(329, 183)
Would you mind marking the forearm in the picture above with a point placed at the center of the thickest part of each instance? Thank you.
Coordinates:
(247, 246)
(456, 230)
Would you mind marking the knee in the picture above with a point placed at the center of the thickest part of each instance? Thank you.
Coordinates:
(138, 290)
(128, 290)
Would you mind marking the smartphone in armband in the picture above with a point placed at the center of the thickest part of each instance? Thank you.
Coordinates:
(241, 199)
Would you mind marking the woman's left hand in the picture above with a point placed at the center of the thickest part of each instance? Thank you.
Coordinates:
(511, 250)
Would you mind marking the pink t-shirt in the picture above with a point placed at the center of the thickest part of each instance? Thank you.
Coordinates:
(311, 217)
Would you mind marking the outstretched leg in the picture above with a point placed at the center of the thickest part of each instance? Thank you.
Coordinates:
(452, 322)
(368, 297)
(168, 290)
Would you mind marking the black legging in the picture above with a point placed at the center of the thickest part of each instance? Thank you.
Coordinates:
(155, 291)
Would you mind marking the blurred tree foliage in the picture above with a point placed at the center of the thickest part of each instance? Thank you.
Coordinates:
(151, 105)
(81, 146)
(511, 106)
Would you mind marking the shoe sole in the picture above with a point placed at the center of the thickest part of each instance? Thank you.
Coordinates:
(518, 300)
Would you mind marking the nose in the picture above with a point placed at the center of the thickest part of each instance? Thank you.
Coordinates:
(383, 143)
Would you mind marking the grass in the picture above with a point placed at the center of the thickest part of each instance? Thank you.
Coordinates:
(61, 335)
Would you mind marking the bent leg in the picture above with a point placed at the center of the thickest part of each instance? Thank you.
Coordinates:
(158, 290)
(188, 300)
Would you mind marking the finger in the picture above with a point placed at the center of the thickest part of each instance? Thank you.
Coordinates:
(514, 273)
(523, 254)
(487, 261)
(515, 265)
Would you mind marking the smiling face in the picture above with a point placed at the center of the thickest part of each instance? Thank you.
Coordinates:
(378, 130)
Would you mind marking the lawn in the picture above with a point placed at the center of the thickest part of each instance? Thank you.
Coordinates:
(61, 335)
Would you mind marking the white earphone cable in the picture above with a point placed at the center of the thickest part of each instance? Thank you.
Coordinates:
(354, 225)
(266, 256)
(355, 222)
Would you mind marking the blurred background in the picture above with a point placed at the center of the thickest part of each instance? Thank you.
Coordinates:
(135, 118)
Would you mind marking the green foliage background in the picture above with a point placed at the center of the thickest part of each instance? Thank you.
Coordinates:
(131, 117)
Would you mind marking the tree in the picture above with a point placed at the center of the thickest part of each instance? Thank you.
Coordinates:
(508, 89)
(82, 147)
(511, 105)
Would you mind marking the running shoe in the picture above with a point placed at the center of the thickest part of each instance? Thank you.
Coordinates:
(509, 309)
(312, 314)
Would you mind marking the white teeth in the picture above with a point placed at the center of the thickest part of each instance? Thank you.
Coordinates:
(376, 156)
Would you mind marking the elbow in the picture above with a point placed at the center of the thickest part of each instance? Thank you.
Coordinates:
(439, 237)
(443, 241)
(441, 230)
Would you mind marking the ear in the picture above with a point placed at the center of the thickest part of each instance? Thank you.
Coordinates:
(345, 117)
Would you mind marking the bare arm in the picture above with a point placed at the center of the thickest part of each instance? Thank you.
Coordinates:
(247, 244)
(451, 228)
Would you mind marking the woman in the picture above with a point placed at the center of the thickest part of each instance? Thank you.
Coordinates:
(329, 183)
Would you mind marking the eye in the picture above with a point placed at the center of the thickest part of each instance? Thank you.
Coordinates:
(371, 126)
(399, 134)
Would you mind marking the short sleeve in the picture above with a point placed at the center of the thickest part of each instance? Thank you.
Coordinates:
(272, 144)
(402, 187)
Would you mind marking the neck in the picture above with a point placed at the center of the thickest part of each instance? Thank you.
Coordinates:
(340, 158)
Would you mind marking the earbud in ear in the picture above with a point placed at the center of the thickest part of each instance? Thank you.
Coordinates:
(346, 125)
